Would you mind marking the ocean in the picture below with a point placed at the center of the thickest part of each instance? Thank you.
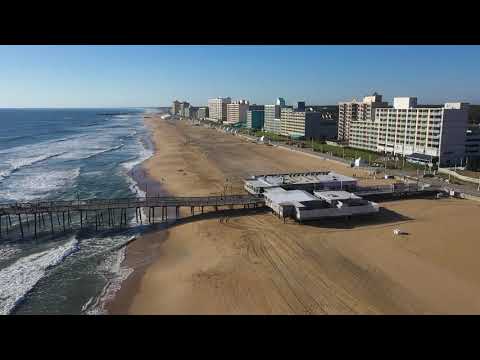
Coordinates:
(63, 154)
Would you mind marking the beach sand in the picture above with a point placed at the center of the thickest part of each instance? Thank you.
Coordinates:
(256, 264)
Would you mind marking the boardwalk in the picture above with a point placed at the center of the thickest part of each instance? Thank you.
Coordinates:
(59, 216)
(108, 212)
(396, 191)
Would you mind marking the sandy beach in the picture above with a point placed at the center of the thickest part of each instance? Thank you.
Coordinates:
(256, 264)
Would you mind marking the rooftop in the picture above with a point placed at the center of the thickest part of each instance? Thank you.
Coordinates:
(299, 178)
(281, 196)
(335, 195)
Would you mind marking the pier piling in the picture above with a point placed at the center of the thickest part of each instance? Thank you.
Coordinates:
(20, 222)
(35, 221)
(51, 223)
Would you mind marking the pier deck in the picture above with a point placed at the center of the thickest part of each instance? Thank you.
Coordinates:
(104, 212)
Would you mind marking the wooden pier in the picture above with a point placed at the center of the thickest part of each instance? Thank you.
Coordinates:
(52, 216)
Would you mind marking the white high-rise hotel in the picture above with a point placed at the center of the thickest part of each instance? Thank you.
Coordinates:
(217, 108)
(405, 129)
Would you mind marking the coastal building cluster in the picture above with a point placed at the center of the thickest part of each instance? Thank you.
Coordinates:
(310, 195)
(300, 121)
(424, 133)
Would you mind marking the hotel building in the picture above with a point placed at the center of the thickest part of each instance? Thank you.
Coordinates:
(351, 111)
(272, 119)
(202, 112)
(237, 112)
(273, 116)
(184, 107)
(307, 124)
(472, 148)
(256, 117)
(175, 107)
(435, 131)
(406, 129)
(217, 109)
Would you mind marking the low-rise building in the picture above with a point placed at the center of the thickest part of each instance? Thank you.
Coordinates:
(308, 181)
(302, 206)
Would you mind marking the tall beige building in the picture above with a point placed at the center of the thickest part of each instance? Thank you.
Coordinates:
(217, 108)
(237, 112)
(354, 110)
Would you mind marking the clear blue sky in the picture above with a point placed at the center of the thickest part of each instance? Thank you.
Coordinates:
(117, 76)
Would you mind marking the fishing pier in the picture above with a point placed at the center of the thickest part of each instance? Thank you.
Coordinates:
(52, 216)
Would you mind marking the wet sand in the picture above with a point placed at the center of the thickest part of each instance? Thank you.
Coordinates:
(256, 264)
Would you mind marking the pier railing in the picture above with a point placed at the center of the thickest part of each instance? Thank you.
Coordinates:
(106, 212)
(100, 204)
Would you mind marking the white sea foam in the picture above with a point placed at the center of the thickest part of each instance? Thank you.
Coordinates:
(144, 154)
(8, 251)
(15, 164)
(83, 153)
(19, 278)
(77, 147)
(39, 185)
(116, 274)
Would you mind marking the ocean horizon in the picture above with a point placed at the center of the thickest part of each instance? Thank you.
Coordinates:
(63, 154)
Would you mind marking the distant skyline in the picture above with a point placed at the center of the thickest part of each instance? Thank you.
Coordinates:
(153, 76)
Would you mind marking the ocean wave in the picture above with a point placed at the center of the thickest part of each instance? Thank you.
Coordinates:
(97, 305)
(144, 155)
(103, 151)
(39, 185)
(20, 163)
(112, 268)
(18, 279)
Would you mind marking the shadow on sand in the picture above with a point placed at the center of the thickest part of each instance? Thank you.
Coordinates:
(384, 216)
(221, 215)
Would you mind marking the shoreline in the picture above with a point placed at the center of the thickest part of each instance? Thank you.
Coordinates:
(256, 265)
(141, 252)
